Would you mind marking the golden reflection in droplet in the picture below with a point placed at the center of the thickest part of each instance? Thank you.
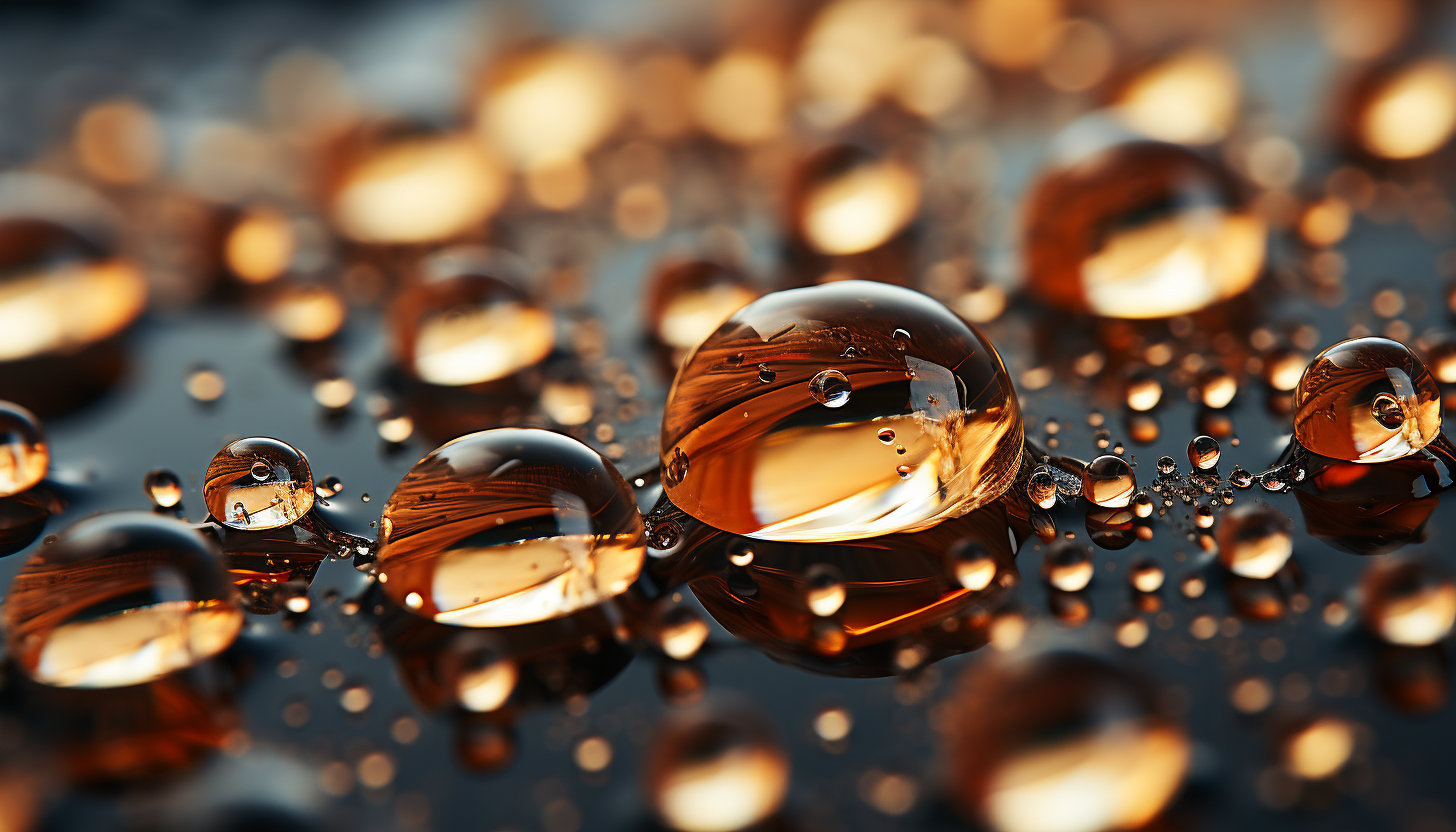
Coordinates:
(1082, 58)
(1283, 368)
(1409, 602)
(258, 483)
(1412, 113)
(687, 301)
(1068, 568)
(1191, 98)
(1146, 576)
(559, 186)
(1253, 541)
(1108, 481)
(567, 402)
(162, 487)
(1143, 392)
(739, 98)
(24, 453)
(1319, 749)
(486, 688)
(1362, 29)
(395, 429)
(551, 103)
(260, 246)
(119, 141)
(1251, 695)
(307, 313)
(1367, 400)
(418, 191)
(856, 205)
(715, 772)
(1012, 34)
(1217, 387)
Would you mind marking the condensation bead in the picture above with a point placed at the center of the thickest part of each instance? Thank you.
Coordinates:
(774, 426)
(258, 483)
(509, 526)
(689, 300)
(24, 454)
(1367, 400)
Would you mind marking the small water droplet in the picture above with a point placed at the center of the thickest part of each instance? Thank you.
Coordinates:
(163, 488)
(830, 388)
(766, 373)
(824, 589)
(886, 435)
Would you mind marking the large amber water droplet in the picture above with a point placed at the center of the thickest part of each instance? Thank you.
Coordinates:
(689, 300)
(1367, 400)
(119, 599)
(509, 527)
(467, 319)
(24, 454)
(1141, 230)
(715, 771)
(1062, 741)
(258, 483)
(795, 454)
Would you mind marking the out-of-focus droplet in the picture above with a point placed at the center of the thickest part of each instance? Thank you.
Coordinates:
(1142, 504)
(486, 680)
(509, 527)
(163, 487)
(1320, 748)
(205, 384)
(307, 313)
(1367, 400)
(1411, 602)
(795, 469)
(334, 393)
(1132, 632)
(568, 402)
(396, 428)
(1141, 230)
(680, 632)
(1068, 568)
(119, 599)
(1253, 541)
(688, 300)
(550, 103)
(1061, 741)
(846, 201)
(1012, 34)
(973, 566)
(1283, 368)
(418, 190)
(824, 589)
(1203, 452)
(1203, 516)
(1441, 359)
(1191, 97)
(593, 753)
(715, 770)
(1146, 576)
(833, 724)
(261, 245)
(119, 141)
(1362, 29)
(258, 483)
(1217, 387)
(739, 98)
(467, 319)
(1108, 481)
(1325, 223)
(1041, 488)
(1409, 111)
(1142, 392)
(24, 453)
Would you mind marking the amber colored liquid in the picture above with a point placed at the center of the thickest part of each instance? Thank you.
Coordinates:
(258, 483)
(1367, 400)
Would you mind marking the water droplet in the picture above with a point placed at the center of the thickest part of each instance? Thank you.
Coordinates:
(1142, 392)
(1041, 488)
(1241, 478)
(334, 393)
(904, 471)
(1203, 517)
(714, 770)
(824, 589)
(846, 201)
(766, 374)
(330, 486)
(833, 724)
(119, 599)
(509, 527)
(486, 679)
(1167, 466)
(389, 193)
(593, 753)
(1217, 387)
(307, 313)
(1319, 748)
(1132, 632)
(679, 632)
(688, 300)
(830, 388)
(1203, 452)
(1411, 602)
(1253, 541)
(1181, 235)
(24, 454)
(1068, 568)
(972, 444)
(1142, 504)
(162, 487)
(1406, 110)
(972, 565)
(258, 483)
(1283, 368)
(1108, 481)
(205, 384)
(1146, 576)
(1366, 400)
(887, 435)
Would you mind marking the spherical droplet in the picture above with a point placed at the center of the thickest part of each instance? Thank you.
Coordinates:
(1407, 110)
(1146, 576)
(1203, 453)
(1041, 488)
(1253, 541)
(1190, 97)
(1366, 400)
(162, 487)
(204, 384)
(1167, 466)
(307, 313)
(1283, 368)
(1241, 478)
(1217, 387)
(887, 435)
(467, 320)
(1319, 748)
(1410, 602)
(258, 483)
(972, 565)
(846, 200)
(24, 454)
(120, 599)
(1032, 735)
(680, 632)
(486, 679)
(1108, 481)
(550, 103)
(1068, 568)
(833, 724)
(1141, 230)
(509, 527)
(715, 770)
(1142, 392)
(687, 301)
(800, 471)
(824, 589)
(1203, 517)
(1142, 504)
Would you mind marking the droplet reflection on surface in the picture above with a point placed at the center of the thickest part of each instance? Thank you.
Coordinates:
(1367, 400)
(715, 771)
(258, 483)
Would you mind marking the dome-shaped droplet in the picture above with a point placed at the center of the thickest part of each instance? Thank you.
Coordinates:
(1061, 741)
(117, 600)
(509, 527)
(1068, 568)
(679, 632)
(972, 565)
(687, 301)
(24, 455)
(1142, 391)
(1319, 747)
(163, 488)
(1253, 541)
(846, 200)
(770, 460)
(1041, 488)
(1141, 230)
(1108, 481)
(824, 589)
(548, 104)
(258, 483)
(1409, 602)
(1366, 400)
(466, 319)
(1203, 453)
(716, 770)
(1146, 576)
(1406, 110)
(1142, 504)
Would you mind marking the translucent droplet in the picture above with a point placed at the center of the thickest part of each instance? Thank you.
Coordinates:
(330, 486)
(486, 680)
(24, 454)
(1190, 97)
(162, 487)
(1203, 453)
(1167, 466)
(1407, 110)
(1141, 230)
(1253, 541)
(509, 527)
(797, 470)
(1068, 568)
(904, 471)
(1032, 732)
(1241, 478)
(549, 103)
(1142, 392)
(258, 483)
(972, 565)
(205, 384)
(1411, 602)
(846, 201)
(593, 753)
(334, 393)
(1142, 504)
(680, 632)
(688, 301)
(887, 435)
(1319, 748)
(1217, 387)
(1366, 400)
(307, 313)
(119, 599)
(1108, 481)
(417, 189)
(830, 388)
(1203, 517)
(1041, 488)
(833, 724)
(1283, 368)
(824, 589)
(716, 770)
(1146, 576)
